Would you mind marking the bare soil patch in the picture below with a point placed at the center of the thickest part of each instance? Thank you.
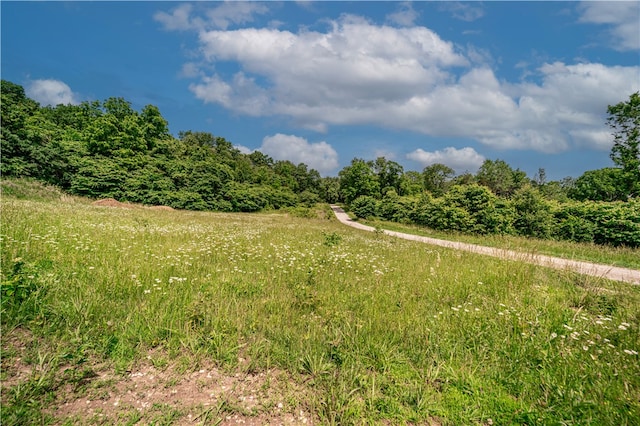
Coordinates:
(170, 393)
(111, 202)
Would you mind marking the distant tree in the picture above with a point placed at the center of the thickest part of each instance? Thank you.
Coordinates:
(16, 144)
(500, 177)
(540, 179)
(286, 174)
(358, 179)
(119, 108)
(411, 183)
(624, 120)
(308, 179)
(260, 159)
(389, 174)
(436, 178)
(329, 189)
(599, 185)
(464, 179)
(197, 138)
(155, 126)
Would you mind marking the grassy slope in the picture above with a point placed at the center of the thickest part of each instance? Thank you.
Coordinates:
(376, 329)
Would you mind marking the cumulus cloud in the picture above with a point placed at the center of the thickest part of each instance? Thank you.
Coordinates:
(342, 76)
(320, 155)
(356, 72)
(622, 17)
(464, 159)
(51, 92)
(405, 16)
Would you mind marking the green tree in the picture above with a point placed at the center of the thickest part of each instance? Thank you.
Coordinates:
(155, 126)
(358, 179)
(389, 174)
(436, 178)
(329, 189)
(599, 185)
(411, 183)
(500, 177)
(624, 120)
(17, 147)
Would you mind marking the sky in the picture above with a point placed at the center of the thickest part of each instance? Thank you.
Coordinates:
(324, 82)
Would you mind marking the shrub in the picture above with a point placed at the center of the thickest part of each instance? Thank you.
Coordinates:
(365, 206)
(533, 216)
(614, 223)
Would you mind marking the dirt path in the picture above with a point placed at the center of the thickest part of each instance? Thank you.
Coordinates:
(631, 276)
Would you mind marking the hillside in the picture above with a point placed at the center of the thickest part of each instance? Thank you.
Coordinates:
(264, 318)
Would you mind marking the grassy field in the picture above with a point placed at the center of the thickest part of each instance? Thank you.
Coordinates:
(281, 319)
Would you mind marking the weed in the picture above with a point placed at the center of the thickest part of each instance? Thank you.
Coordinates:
(331, 239)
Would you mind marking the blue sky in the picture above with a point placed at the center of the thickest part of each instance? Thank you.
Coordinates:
(324, 82)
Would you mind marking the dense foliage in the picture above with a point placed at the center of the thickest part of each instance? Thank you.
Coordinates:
(107, 149)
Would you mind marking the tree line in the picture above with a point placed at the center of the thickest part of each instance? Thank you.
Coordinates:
(107, 149)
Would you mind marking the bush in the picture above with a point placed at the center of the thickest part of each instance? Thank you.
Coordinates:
(446, 217)
(614, 223)
(575, 229)
(533, 216)
(480, 203)
(365, 207)
(394, 208)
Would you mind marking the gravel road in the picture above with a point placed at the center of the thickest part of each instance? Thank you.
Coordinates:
(615, 273)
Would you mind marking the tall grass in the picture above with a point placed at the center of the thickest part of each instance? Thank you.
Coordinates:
(377, 329)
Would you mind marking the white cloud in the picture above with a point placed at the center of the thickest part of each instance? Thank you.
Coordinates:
(621, 16)
(190, 70)
(358, 73)
(463, 11)
(222, 16)
(405, 16)
(464, 159)
(179, 19)
(243, 149)
(235, 12)
(51, 92)
(320, 155)
(342, 76)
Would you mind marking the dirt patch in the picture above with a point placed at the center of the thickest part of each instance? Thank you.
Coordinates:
(156, 391)
(110, 202)
(202, 396)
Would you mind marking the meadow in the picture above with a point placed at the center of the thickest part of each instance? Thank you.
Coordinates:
(352, 327)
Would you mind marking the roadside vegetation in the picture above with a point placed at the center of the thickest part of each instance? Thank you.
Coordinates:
(301, 313)
(589, 252)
